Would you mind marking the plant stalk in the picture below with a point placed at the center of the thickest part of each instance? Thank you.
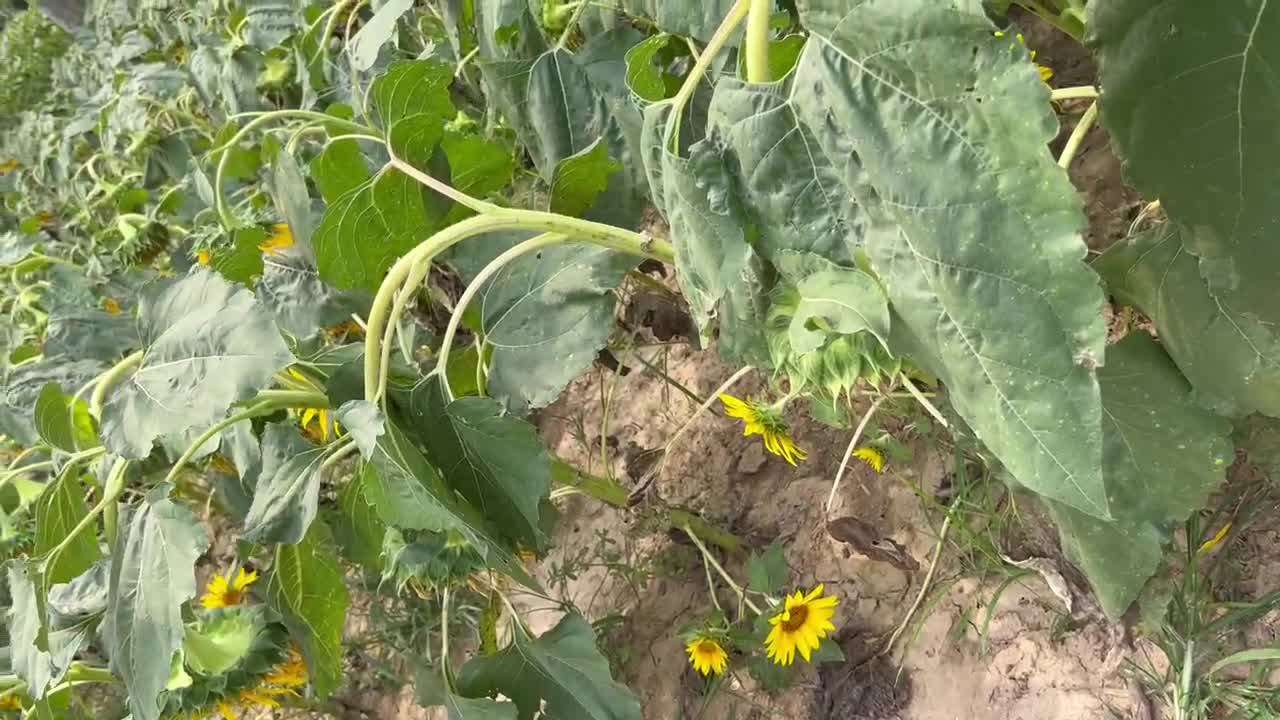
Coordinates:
(109, 380)
(1077, 136)
(757, 45)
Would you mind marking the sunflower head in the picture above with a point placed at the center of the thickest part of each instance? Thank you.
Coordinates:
(204, 257)
(223, 591)
(111, 307)
(281, 237)
(707, 655)
(800, 625)
(10, 703)
(768, 423)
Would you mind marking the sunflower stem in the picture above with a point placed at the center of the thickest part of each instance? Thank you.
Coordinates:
(728, 579)
(706, 404)
(110, 379)
(1074, 142)
(924, 401)
(924, 586)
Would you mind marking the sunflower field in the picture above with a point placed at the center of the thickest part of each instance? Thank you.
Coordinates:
(297, 287)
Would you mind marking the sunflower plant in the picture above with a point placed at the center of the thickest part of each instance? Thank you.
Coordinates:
(302, 273)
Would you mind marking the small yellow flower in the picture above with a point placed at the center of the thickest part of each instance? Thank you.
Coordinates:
(767, 423)
(343, 330)
(7, 167)
(801, 625)
(281, 237)
(292, 673)
(45, 218)
(871, 456)
(204, 257)
(11, 703)
(222, 592)
(320, 433)
(1046, 72)
(282, 681)
(707, 656)
(111, 307)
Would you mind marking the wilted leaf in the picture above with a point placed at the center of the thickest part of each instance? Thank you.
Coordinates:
(376, 32)
(430, 690)
(302, 304)
(286, 495)
(152, 575)
(356, 525)
(306, 587)
(207, 344)
(364, 422)
(1231, 358)
(497, 462)
(561, 673)
(1162, 456)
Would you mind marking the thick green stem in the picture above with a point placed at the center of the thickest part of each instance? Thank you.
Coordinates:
(1078, 92)
(292, 398)
(1077, 136)
(706, 554)
(380, 315)
(493, 268)
(758, 41)
(109, 380)
(112, 488)
(260, 408)
(417, 274)
(721, 38)
(220, 202)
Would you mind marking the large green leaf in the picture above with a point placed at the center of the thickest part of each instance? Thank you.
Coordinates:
(560, 673)
(356, 525)
(27, 620)
(307, 588)
(292, 291)
(207, 344)
(545, 316)
(1231, 358)
(409, 494)
(496, 461)
(286, 495)
(79, 324)
(63, 423)
(60, 508)
(152, 575)
(1162, 456)
(795, 191)
(431, 691)
(940, 129)
(695, 19)
(1190, 99)
(413, 87)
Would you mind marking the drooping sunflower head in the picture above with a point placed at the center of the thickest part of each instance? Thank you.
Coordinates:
(707, 655)
(768, 423)
(281, 237)
(257, 678)
(11, 703)
(800, 625)
(223, 591)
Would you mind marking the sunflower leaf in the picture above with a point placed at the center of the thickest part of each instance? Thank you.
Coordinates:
(286, 494)
(306, 587)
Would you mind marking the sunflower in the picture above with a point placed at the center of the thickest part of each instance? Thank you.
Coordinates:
(871, 456)
(281, 237)
(111, 307)
(319, 433)
(10, 703)
(204, 257)
(801, 625)
(766, 422)
(222, 592)
(7, 167)
(282, 681)
(707, 656)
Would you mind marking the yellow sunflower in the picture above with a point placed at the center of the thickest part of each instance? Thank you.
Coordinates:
(707, 656)
(766, 422)
(320, 418)
(871, 456)
(223, 592)
(111, 307)
(801, 625)
(7, 167)
(11, 703)
(284, 680)
(204, 257)
(281, 237)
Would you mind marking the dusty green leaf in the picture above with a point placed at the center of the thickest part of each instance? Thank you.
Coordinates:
(560, 673)
(981, 254)
(60, 508)
(340, 169)
(356, 525)
(430, 690)
(22, 386)
(268, 23)
(293, 201)
(694, 19)
(207, 344)
(152, 576)
(413, 87)
(286, 494)
(377, 32)
(307, 588)
(1231, 358)
(364, 422)
(291, 290)
(496, 461)
(409, 494)
(1163, 455)
(27, 620)
(833, 300)
(1190, 99)
(769, 572)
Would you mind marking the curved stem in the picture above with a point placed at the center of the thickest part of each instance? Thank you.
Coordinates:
(848, 453)
(459, 309)
(1080, 92)
(924, 585)
(728, 579)
(573, 23)
(220, 202)
(260, 408)
(736, 15)
(706, 404)
(924, 401)
(109, 495)
(113, 487)
(757, 45)
(443, 188)
(499, 219)
(416, 276)
(109, 380)
(1077, 136)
